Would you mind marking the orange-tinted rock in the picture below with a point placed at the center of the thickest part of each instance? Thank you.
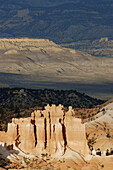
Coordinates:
(50, 131)
(11, 133)
(3, 136)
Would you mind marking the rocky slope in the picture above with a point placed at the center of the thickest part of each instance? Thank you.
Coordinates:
(57, 130)
(69, 22)
(24, 62)
(102, 47)
(100, 128)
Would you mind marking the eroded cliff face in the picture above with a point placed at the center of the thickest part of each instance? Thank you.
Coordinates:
(51, 131)
(42, 62)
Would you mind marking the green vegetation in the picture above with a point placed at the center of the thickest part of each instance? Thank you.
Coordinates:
(15, 103)
(91, 142)
(69, 22)
(4, 163)
(16, 99)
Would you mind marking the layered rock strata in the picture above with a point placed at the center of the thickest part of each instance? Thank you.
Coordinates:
(52, 131)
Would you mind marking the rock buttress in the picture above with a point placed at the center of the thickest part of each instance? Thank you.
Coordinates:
(51, 131)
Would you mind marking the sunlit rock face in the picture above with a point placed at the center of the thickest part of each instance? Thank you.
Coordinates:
(52, 131)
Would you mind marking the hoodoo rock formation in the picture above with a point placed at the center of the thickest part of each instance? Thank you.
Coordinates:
(52, 131)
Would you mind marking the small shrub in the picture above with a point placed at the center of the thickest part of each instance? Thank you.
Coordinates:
(91, 142)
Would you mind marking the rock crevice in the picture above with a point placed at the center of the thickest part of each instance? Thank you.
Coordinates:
(50, 131)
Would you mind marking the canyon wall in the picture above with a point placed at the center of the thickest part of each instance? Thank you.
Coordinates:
(52, 131)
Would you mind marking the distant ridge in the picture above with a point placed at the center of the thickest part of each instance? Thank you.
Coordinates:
(66, 23)
(4, 85)
(31, 63)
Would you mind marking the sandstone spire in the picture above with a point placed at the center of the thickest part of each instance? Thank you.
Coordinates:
(51, 131)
